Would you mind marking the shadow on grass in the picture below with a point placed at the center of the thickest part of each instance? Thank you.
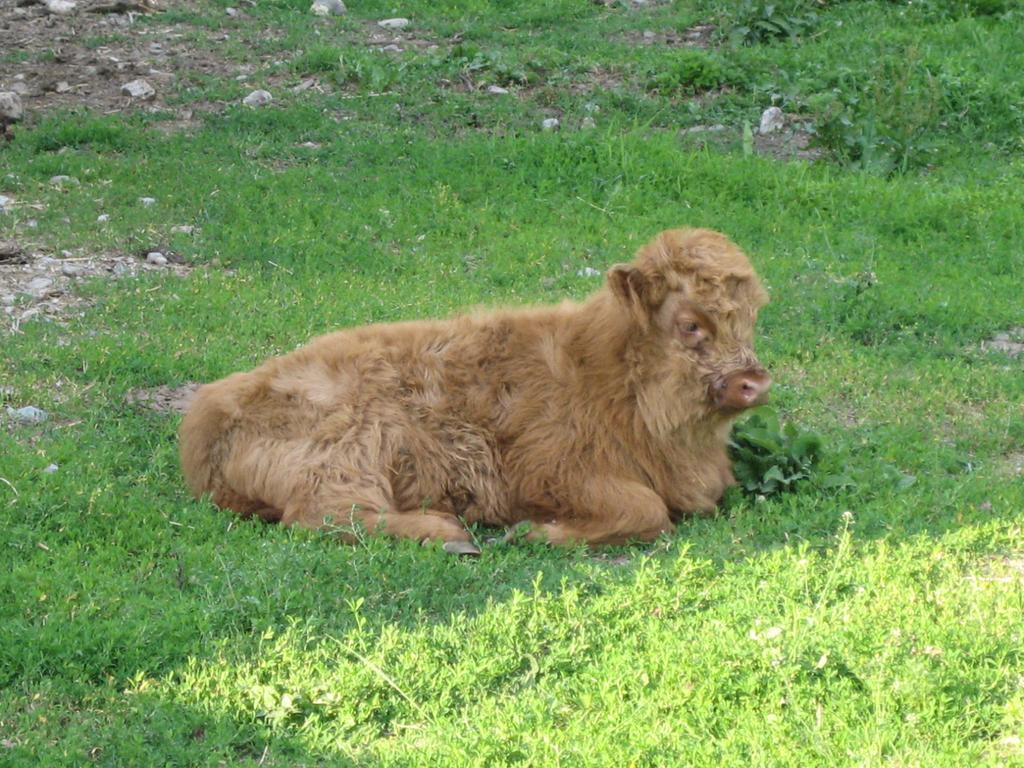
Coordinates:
(258, 640)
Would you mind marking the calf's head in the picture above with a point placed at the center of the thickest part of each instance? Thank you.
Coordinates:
(693, 297)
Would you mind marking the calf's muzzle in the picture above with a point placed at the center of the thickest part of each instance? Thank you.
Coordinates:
(742, 389)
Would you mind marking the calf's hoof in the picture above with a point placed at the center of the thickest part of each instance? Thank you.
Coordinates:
(461, 548)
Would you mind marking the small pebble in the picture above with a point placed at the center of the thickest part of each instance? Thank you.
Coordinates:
(551, 124)
(147, 201)
(60, 7)
(258, 98)
(328, 8)
(103, 218)
(497, 90)
(157, 258)
(231, 11)
(705, 128)
(28, 415)
(589, 272)
(138, 89)
(38, 285)
(772, 120)
(398, 23)
(6, 204)
(70, 270)
(64, 181)
(11, 110)
(50, 469)
(182, 229)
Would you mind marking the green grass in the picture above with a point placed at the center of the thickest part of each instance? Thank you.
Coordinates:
(876, 623)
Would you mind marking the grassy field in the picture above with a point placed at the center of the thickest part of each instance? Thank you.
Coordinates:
(874, 621)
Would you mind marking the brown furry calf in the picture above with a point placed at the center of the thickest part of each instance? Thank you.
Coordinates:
(598, 422)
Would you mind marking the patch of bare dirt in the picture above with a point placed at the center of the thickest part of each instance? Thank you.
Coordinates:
(1013, 465)
(697, 36)
(1009, 342)
(793, 142)
(83, 59)
(396, 40)
(39, 286)
(598, 79)
(164, 399)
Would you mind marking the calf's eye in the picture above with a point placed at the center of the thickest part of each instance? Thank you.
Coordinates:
(691, 333)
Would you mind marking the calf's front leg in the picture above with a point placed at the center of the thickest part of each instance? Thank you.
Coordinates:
(605, 510)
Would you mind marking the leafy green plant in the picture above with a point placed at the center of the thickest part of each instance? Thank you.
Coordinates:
(768, 458)
(372, 72)
(691, 71)
(885, 124)
(469, 59)
(752, 22)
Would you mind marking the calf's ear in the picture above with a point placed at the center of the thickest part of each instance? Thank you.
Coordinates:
(631, 287)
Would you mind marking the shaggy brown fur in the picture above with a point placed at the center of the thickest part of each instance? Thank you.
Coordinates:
(598, 422)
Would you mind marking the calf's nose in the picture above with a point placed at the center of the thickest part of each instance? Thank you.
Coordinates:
(743, 389)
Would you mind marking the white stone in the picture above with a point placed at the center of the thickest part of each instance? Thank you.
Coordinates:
(147, 201)
(705, 128)
(138, 89)
(11, 110)
(38, 284)
(328, 8)
(551, 124)
(6, 204)
(497, 90)
(398, 23)
(156, 258)
(103, 218)
(258, 98)
(589, 272)
(60, 7)
(28, 415)
(231, 11)
(772, 120)
(51, 468)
